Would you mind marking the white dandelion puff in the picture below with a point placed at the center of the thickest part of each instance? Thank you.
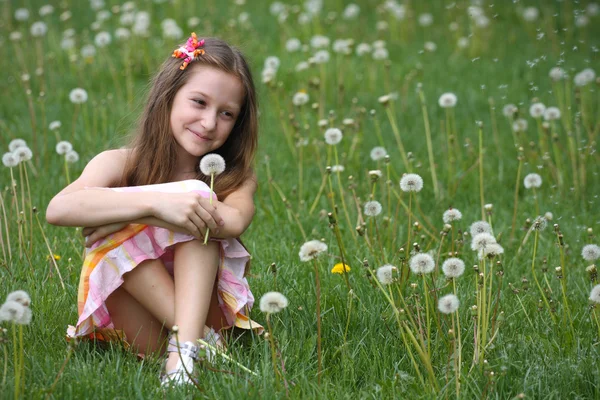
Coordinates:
(78, 96)
(491, 250)
(448, 304)
(272, 62)
(333, 136)
(411, 183)
(385, 274)
(23, 153)
(337, 168)
(10, 160)
(532, 181)
(530, 14)
(421, 263)
(556, 74)
(425, 19)
(319, 41)
(372, 208)
(520, 125)
(321, 57)
(300, 98)
(380, 54)
(537, 110)
(311, 250)
(102, 39)
(595, 294)
(551, 114)
(375, 172)
(378, 153)
(481, 241)
(509, 110)
(54, 125)
(38, 29)
(590, 252)
(16, 143)
(447, 100)
(480, 227)
(72, 156)
(63, 147)
(212, 164)
(584, 77)
(21, 14)
(20, 296)
(11, 311)
(88, 51)
(548, 216)
(273, 302)
(451, 215)
(293, 45)
(453, 267)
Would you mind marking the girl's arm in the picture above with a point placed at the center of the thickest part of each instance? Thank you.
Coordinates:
(237, 210)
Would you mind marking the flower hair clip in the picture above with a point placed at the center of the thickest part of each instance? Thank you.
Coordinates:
(189, 51)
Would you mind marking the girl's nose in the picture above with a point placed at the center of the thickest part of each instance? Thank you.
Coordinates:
(209, 120)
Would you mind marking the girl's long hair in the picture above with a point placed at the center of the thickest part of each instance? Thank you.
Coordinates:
(152, 158)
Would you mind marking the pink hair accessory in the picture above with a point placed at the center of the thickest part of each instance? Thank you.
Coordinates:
(190, 51)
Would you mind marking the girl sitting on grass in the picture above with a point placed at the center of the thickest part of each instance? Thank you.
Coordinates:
(146, 209)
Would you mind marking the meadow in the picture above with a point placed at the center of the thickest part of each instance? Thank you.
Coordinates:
(445, 152)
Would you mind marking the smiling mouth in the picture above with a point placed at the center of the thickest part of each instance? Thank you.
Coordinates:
(198, 135)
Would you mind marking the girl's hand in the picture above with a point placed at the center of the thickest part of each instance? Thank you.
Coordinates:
(189, 211)
(100, 232)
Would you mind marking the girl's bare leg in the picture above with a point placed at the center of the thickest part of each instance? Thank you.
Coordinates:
(195, 270)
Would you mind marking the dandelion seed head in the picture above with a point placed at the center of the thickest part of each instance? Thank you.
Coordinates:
(72, 156)
(447, 100)
(212, 164)
(375, 173)
(333, 136)
(385, 274)
(530, 14)
(480, 227)
(21, 14)
(10, 160)
(362, 49)
(321, 57)
(556, 74)
(54, 125)
(411, 183)
(430, 46)
(481, 241)
(584, 77)
(78, 96)
(293, 44)
(451, 215)
(590, 252)
(102, 39)
(520, 125)
(273, 302)
(16, 143)
(453, 267)
(595, 294)
(421, 263)
(337, 168)
(539, 224)
(448, 304)
(462, 42)
(372, 208)
(378, 153)
(491, 250)
(300, 98)
(11, 311)
(380, 53)
(425, 19)
(351, 11)
(509, 110)
(301, 66)
(532, 180)
(20, 296)
(551, 114)
(23, 153)
(548, 216)
(311, 250)
(537, 110)
(38, 29)
(45, 10)
(63, 147)
(319, 41)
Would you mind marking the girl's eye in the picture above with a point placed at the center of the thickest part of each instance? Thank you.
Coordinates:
(201, 102)
(228, 114)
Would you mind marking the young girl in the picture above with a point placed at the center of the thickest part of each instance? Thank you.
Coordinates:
(145, 209)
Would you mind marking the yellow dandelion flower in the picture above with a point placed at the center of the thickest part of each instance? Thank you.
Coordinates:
(339, 268)
(55, 256)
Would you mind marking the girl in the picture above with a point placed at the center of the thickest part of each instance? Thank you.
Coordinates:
(147, 269)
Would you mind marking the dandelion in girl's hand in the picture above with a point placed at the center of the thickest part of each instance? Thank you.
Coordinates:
(421, 263)
(16, 143)
(451, 215)
(590, 252)
(532, 181)
(63, 147)
(448, 304)
(300, 98)
(212, 164)
(311, 250)
(339, 268)
(481, 241)
(551, 114)
(385, 274)
(480, 227)
(333, 136)
(372, 208)
(273, 302)
(378, 153)
(72, 157)
(21, 297)
(595, 294)
(10, 160)
(447, 100)
(78, 96)
(537, 110)
(453, 267)
(411, 183)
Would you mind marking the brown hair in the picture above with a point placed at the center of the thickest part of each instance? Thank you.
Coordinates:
(153, 156)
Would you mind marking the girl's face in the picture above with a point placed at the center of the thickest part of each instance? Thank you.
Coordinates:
(205, 110)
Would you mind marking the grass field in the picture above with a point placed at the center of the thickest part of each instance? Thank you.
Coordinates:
(525, 327)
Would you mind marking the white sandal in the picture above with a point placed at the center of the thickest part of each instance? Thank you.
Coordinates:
(181, 375)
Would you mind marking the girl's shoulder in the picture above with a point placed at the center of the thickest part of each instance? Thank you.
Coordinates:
(107, 167)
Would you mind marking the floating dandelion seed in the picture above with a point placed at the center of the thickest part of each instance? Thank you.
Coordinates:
(372, 208)
(333, 136)
(339, 268)
(300, 98)
(451, 215)
(10, 160)
(590, 252)
(273, 302)
(447, 100)
(595, 294)
(421, 263)
(212, 164)
(453, 267)
(509, 110)
(480, 227)
(63, 147)
(490, 251)
(551, 114)
(21, 297)
(311, 250)
(537, 110)
(378, 153)
(385, 274)
(448, 304)
(16, 143)
(532, 181)
(411, 183)
(78, 96)
(481, 241)
(72, 156)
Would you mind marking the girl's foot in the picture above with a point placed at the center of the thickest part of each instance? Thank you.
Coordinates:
(178, 370)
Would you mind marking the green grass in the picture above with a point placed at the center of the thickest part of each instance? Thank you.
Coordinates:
(505, 62)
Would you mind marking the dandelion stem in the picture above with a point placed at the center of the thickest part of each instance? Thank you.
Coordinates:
(273, 355)
(16, 362)
(436, 190)
(5, 229)
(212, 181)
(481, 172)
(318, 307)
